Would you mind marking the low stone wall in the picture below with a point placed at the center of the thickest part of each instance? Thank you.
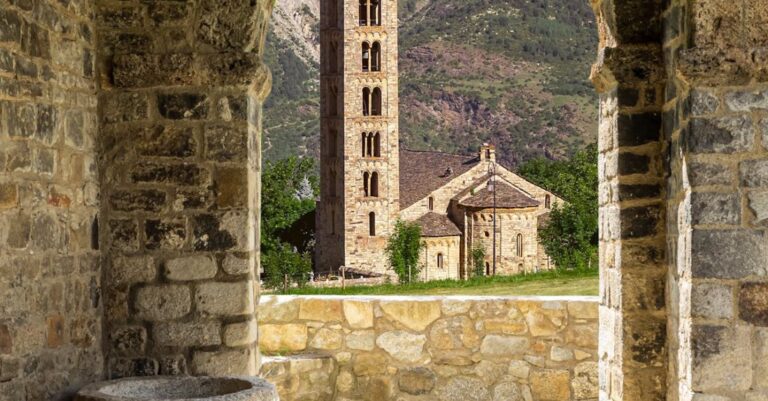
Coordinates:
(437, 348)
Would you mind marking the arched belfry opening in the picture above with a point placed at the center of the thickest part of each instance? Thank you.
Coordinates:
(370, 13)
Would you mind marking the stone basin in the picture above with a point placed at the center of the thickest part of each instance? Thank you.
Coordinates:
(180, 388)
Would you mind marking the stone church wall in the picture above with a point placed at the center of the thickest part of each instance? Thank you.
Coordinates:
(432, 348)
(450, 248)
(50, 292)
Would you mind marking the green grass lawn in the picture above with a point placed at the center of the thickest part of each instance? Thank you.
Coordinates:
(548, 283)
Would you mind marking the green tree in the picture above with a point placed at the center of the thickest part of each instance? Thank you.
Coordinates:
(478, 261)
(284, 266)
(289, 188)
(403, 250)
(570, 235)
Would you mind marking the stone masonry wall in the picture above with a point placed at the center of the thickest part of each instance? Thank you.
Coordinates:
(180, 156)
(50, 293)
(425, 348)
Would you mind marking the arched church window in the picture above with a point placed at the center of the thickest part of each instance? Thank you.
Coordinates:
(440, 261)
(377, 145)
(375, 57)
(366, 57)
(519, 245)
(366, 101)
(376, 102)
(366, 184)
(375, 185)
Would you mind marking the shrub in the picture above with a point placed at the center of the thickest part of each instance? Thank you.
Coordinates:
(403, 250)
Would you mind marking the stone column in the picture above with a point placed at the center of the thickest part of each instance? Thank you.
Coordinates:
(629, 77)
(180, 108)
(717, 116)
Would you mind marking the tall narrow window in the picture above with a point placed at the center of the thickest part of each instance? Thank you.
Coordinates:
(363, 12)
(364, 143)
(377, 145)
(548, 202)
(375, 185)
(519, 245)
(369, 142)
(372, 224)
(440, 260)
(376, 102)
(487, 269)
(375, 60)
(375, 13)
(366, 184)
(366, 57)
(366, 101)
(431, 203)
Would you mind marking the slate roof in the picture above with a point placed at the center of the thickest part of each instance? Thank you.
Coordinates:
(421, 173)
(437, 225)
(507, 197)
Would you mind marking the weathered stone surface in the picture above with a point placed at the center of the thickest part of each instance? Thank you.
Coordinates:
(165, 234)
(495, 345)
(225, 363)
(239, 334)
(228, 299)
(703, 102)
(551, 385)
(721, 135)
(183, 106)
(359, 315)
(728, 254)
(178, 334)
(369, 364)
(417, 381)
(463, 389)
(144, 200)
(712, 301)
(753, 303)
(519, 369)
(559, 354)
(454, 333)
(326, 339)
(320, 310)
(715, 208)
(190, 268)
(163, 302)
(747, 100)
(758, 202)
(131, 270)
(585, 381)
(413, 315)
(722, 358)
(402, 345)
(130, 340)
(283, 337)
(507, 392)
(364, 340)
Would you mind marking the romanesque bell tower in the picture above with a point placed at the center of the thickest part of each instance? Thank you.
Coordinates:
(359, 200)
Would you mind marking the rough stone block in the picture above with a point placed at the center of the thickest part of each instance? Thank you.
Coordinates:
(761, 358)
(184, 174)
(226, 143)
(703, 102)
(190, 268)
(132, 367)
(402, 345)
(722, 358)
(731, 254)
(496, 345)
(231, 187)
(712, 301)
(183, 334)
(131, 270)
(715, 208)
(163, 302)
(639, 129)
(462, 388)
(459, 333)
(364, 340)
(320, 310)
(585, 381)
(417, 381)
(166, 141)
(124, 106)
(165, 234)
(183, 106)
(140, 200)
(209, 234)
(327, 339)
(747, 101)
(754, 173)
(283, 337)
(551, 385)
(124, 235)
(721, 135)
(241, 362)
(630, 163)
(128, 340)
(701, 174)
(9, 195)
(359, 314)
(240, 334)
(753, 303)
(638, 222)
(226, 299)
(414, 315)
(18, 231)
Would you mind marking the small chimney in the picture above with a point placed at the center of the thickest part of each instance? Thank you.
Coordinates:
(488, 152)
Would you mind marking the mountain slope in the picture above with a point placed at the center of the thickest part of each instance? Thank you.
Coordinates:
(513, 73)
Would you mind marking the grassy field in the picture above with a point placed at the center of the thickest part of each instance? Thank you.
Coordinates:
(549, 283)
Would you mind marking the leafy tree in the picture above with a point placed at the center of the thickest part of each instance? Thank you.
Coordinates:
(478, 260)
(403, 250)
(289, 187)
(284, 265)
(570, 236)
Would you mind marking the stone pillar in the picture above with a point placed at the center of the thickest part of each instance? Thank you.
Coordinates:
(180, 108)
(630, 79)
(717, 116)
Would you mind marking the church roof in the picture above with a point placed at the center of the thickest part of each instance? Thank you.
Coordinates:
(421, 173)
(437, 225)
(507, 197)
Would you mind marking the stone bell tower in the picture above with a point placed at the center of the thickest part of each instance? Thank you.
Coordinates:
(359, 201)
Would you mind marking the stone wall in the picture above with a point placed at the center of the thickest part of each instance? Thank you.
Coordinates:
(50, 293)
(441, 348)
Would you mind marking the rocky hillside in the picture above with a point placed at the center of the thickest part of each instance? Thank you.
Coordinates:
(513, 73)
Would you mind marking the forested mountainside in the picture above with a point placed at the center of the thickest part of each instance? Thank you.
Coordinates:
(511, 72)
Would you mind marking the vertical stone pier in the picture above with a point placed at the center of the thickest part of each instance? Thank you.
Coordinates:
(180, 107)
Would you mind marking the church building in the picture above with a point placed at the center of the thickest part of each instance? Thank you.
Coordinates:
(368, 182)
